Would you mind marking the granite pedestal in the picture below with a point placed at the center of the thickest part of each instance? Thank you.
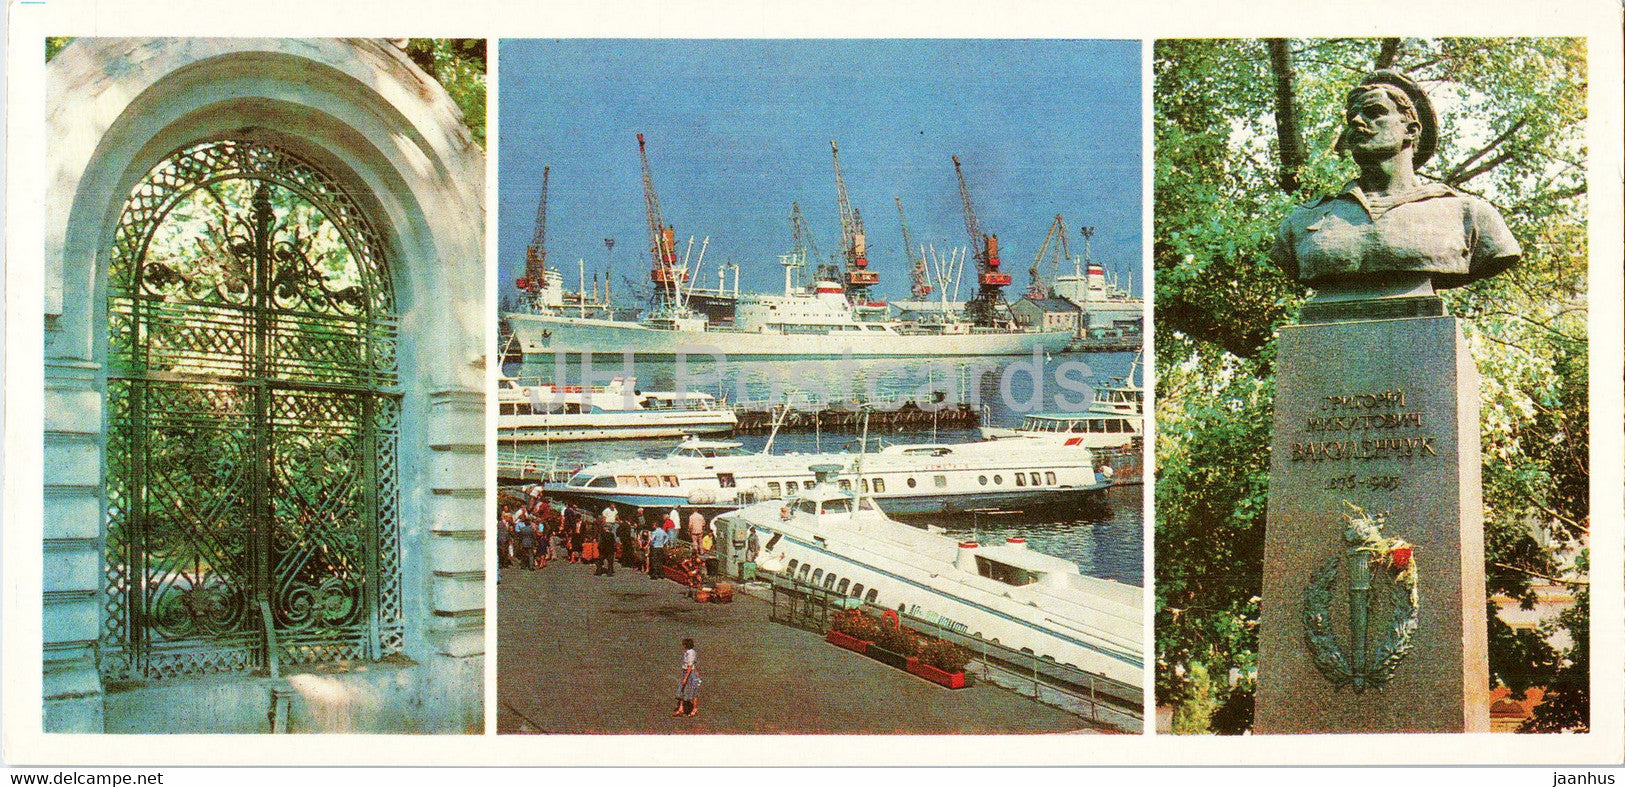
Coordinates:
(1381, 414)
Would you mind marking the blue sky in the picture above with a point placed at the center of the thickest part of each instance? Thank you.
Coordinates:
(738, 130)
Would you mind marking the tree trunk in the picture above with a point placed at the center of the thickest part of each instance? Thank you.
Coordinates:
(1289, 139)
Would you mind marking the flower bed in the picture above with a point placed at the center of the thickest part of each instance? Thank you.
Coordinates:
(846, 641)
(938, 661)
(953, 680)
(889, 657)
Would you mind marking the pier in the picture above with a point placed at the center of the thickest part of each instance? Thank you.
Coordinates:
(579, 654)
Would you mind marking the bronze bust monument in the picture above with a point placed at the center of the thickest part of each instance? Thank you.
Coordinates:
(1387, 233)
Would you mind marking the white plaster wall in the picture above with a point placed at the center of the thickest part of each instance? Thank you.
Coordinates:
(363, 112)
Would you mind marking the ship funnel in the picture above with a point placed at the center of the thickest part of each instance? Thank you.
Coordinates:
(965, 558)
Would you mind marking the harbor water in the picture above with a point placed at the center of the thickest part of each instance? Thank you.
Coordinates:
(1104, 536)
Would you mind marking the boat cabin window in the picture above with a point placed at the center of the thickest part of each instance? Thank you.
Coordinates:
(602, 481)
(839, 505)
(841, 588)
(1033, 478)
(649, 480)
(817, 575)
(845, 485)
(773, 542)
(807, 506)
(866, 486)
(857, 590)
(998, 479)
(1020, 480)
(910, 482)
(873, 594)
(1004, 572)
(805, 569)
(668, 480)
(865, 504)
(941, 481)
(725, 480)
(829, 581)
(773, 489)
(1049, 477)
(880, 486)
(791, 569)
(981, 479)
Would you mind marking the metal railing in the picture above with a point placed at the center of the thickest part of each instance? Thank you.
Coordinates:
(1102, 700)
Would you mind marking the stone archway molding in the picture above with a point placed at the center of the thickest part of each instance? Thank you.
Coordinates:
(363, 112)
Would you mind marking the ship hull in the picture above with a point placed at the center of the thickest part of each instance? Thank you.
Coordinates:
(612, 426)
(543, 336)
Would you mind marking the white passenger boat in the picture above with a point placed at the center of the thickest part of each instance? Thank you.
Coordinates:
(903, 479)
(1115, 419)
(819, 321)
(531, 411)
(1005, 593)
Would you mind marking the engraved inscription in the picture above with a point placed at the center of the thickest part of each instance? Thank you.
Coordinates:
(1364, 450)
(1363, 412)
(1374, 483)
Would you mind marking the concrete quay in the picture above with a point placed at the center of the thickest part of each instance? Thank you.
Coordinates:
(581, 654)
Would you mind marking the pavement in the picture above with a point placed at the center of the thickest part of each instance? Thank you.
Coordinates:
(583, 654)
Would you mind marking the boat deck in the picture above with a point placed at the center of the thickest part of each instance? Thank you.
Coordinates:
(585, 654)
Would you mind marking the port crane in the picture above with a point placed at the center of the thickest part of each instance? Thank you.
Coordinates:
(921, 288)
(535, 277)
(668, 278)
(1055, 249)
(986, 308)
(803, 245)
(857, 278)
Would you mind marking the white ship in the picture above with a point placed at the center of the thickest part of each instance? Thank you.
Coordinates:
(1006, 593)
(531, 411)
(1114, 420)
(819, 321)
(902, 479)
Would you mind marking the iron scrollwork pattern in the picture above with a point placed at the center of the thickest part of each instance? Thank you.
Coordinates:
(252, 421)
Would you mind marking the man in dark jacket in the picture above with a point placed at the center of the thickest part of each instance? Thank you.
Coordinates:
(623, 533)
(606, 550)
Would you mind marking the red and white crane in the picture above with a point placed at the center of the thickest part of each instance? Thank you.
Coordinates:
(857, 278)
(987, 307)
(668, 278)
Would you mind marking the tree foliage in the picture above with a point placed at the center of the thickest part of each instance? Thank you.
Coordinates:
(458, 64)
(1244, 133)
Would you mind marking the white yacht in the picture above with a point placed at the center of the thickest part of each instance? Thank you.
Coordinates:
(902, 479)
(1114, 420)
(532, 411)
(1005, 593)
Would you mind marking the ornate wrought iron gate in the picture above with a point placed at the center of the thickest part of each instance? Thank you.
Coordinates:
(252, 420)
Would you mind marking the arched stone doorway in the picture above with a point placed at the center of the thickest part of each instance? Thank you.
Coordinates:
(264, 472)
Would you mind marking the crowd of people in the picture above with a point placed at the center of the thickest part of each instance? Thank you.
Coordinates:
(533, 530)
